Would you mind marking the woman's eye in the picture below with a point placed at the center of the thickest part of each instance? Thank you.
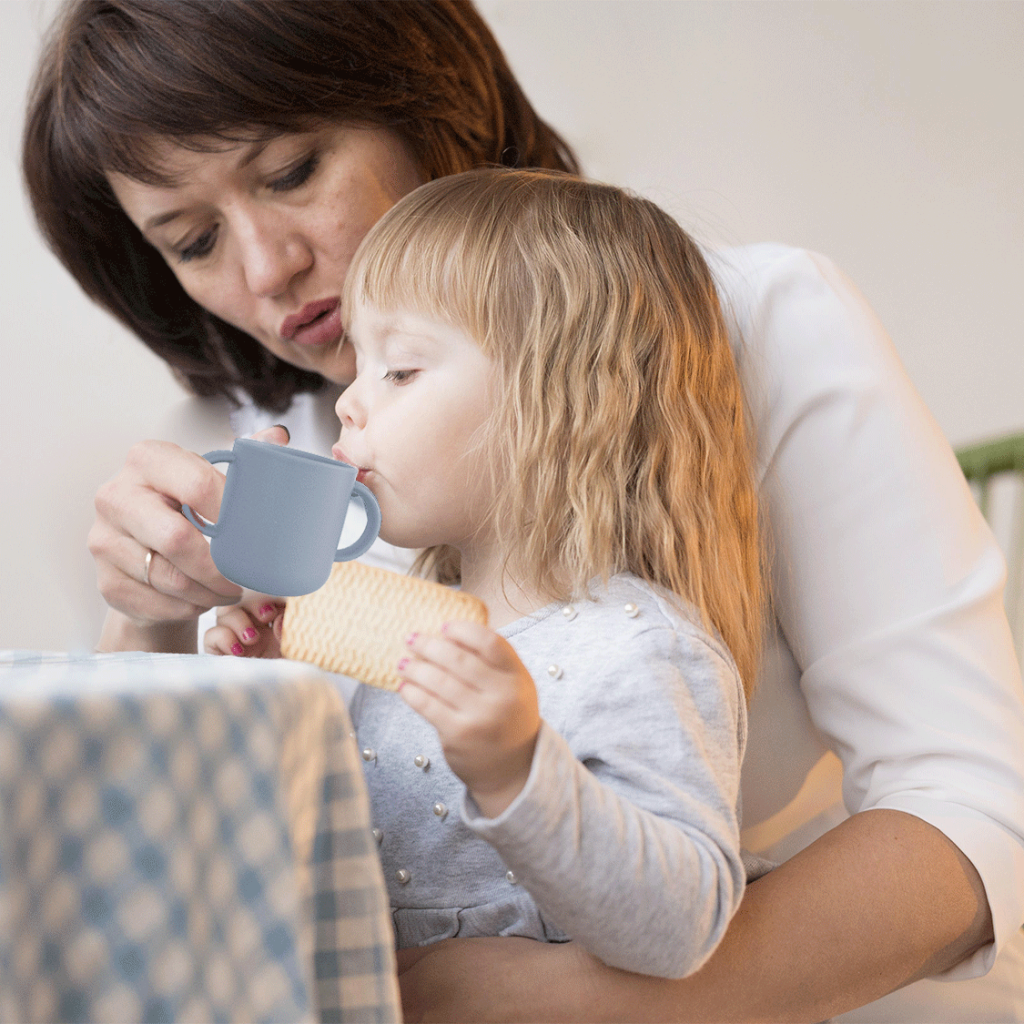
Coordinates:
(399, 376)
(296, 177)
(202, 246)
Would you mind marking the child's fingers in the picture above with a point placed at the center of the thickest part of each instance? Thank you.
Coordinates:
(449, 721)
(264, 609)
(451, 658)
(432, 680)
(221, 640)
(482, 641)
(241, 623)
(424, 703)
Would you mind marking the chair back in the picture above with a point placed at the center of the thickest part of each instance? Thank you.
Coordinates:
(993, 468)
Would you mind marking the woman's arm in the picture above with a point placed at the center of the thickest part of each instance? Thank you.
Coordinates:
(887, 583)
(120, 633)
(879, 901)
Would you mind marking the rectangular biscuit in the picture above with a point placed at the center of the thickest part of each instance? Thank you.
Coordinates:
(357, 622)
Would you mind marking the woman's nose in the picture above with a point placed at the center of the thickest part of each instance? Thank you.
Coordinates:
(272, 256)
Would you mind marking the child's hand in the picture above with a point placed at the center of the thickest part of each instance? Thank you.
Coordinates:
(250, 629)
(471, 686)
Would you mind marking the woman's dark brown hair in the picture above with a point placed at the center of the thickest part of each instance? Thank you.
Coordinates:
(117, 74)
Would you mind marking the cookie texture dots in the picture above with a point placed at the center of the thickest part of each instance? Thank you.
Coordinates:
(357, 622)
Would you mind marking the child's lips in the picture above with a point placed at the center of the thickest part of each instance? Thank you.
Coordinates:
(340, 455)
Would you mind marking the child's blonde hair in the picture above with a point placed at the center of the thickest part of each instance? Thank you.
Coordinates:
(619, 439)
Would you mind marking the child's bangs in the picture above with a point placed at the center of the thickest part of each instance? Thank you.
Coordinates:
(433, 266)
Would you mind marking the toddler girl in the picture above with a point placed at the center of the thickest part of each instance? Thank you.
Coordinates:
(546, 403)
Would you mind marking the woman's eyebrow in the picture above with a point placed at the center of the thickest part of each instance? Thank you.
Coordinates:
(249, 154)
(160, 219)
(252, 153)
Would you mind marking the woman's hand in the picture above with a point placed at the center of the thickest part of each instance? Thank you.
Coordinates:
(139, 511)
(250, 629)
(471, 686)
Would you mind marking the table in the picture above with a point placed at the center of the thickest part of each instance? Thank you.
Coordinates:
(184, 837)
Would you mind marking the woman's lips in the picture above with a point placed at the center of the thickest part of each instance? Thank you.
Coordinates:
(317, 323)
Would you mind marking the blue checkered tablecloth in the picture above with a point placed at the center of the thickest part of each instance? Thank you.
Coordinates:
(185, 838)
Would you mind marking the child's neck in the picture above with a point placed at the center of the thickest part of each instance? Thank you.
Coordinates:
(483, 576)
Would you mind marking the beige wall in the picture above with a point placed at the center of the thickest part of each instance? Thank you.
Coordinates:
(889, 136)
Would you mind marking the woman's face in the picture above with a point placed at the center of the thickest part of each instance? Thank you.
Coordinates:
(262, 233)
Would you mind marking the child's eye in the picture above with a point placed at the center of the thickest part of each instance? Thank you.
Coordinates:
(201, 247)
(400, 376)
(296, 177)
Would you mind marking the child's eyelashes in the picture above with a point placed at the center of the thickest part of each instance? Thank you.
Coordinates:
(400, 376)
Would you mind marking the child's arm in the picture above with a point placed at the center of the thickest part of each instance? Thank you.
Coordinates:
(625, 831)
(471, 686)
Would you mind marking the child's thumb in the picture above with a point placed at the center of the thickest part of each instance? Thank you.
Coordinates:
(277, 434)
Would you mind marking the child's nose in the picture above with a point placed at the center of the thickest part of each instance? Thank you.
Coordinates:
(349, 409)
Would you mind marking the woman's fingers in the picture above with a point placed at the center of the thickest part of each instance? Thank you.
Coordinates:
(121, 576)
(139, 511)
(166, 592)
(158, 473)
(142, 605)
(277, 434)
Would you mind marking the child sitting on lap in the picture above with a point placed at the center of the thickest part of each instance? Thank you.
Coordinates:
(546, 401)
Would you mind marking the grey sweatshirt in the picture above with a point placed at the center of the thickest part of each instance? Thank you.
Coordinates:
(625, 837)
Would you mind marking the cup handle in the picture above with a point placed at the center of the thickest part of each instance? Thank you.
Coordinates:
(212, 529)
(369, 534)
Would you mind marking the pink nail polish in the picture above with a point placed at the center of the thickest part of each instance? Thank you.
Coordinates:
(266, 609)
(411, 637)
(249, 634)
(237, 650)
(402, 664)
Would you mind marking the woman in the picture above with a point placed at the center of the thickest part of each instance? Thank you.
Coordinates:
(206, 171)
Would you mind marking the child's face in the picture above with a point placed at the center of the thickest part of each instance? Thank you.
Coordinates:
(408, 420)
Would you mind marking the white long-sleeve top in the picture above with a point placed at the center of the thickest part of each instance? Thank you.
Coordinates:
(889, 677)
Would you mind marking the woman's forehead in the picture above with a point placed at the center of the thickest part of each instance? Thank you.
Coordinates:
(169, 161)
